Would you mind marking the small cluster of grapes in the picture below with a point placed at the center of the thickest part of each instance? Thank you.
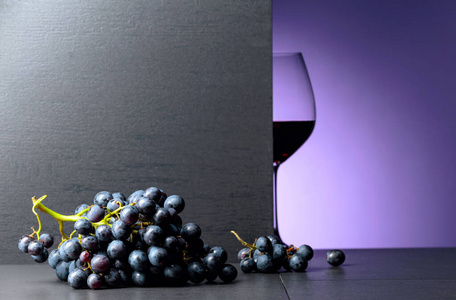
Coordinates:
(138, 241)
(268, 254)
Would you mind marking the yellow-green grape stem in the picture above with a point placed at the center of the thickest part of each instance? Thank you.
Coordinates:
(242, 241)
(64, 236)
(57, 216)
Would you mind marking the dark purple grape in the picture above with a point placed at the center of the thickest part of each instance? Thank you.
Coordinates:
(35, 247)
(306, 252)
(154, 235)
(115, 204)
(80, 208)
(220, 252)
(112, 278)
(176, 202)
(335, 257)
(90, 243)
(146, 207)
(78, 279)
(158, 256)
(213, 263)
(119, 196)
(94, 281)
(47, 239)
(279, 253)
(265, 263)
(54, 258)
(175, 274)
(117, 249)
(62, 270)
(196, 272)
(100, 263)
(161, 216)
(95, 214)
(102, 198)
(298, 263)
(153, 194)
(190, 231)
(228, 273)
(103, 233)
(129, 215)
(120, 230)
(138, 261)
(83, 226)
(243, 253)
(140, 279)
(72, 249)
(264, 244)
(247, 265)
(24, 242)
(135, 196)
(41, 258)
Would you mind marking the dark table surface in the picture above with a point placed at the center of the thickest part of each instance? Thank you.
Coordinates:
(420, 273)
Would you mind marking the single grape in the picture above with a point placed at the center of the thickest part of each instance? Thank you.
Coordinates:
(175, 274)
(100, 263)
(72, 249)
(95, 214)
(274, 240)
(146, 206)
(220, 252)
(41, 258)
(335, 257)
(120, 230)
(265, 263)
(119, 196)
(196, 272)
(24, 242)
(78, 279)
(102, 198)
(85, 256)
(153, 194)
(112, 278)
(117, 249)
(243, 253)
(90, 243)
(154, 235)
(228, 273)
(80, 208)
(279, 253)
(54, 258)
(94, 281)
(103, 233)
(135, 196)
(158, 256)
(298, 263)
(247, 265)
(129, 215)
(176, 202)
(62, 270)
(35, 247)
(305, 251)
(161, 216)
(190, 231)
(83, 226)
(213, 263)
(264, 244)
(138, 261)
(47, 239)
(140, 279)
(114, 204)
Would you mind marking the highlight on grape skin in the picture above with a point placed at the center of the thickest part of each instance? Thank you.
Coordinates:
(119, 242)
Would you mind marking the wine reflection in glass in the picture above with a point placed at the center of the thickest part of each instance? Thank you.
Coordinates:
(293, 114)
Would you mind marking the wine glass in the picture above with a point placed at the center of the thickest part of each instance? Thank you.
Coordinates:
(293, 112)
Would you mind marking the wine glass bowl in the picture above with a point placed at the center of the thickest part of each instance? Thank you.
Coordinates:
(293, 112)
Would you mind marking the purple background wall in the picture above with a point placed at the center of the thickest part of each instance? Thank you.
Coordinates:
(379, 169)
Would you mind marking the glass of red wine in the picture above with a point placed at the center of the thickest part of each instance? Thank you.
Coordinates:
(293, 112)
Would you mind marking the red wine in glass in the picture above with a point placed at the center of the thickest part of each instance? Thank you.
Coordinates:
(293, 114)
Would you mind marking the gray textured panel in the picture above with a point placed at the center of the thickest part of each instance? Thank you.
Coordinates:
(123, 95)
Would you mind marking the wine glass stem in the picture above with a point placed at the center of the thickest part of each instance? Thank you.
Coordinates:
(275, 168)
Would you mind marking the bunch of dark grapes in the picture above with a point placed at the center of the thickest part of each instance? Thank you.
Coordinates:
(268, 254)
(135, 241)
